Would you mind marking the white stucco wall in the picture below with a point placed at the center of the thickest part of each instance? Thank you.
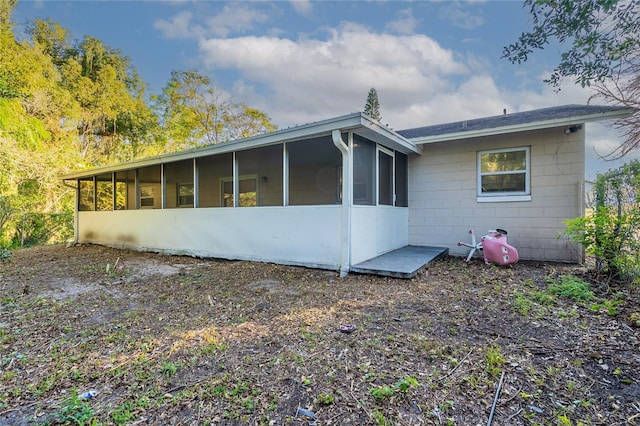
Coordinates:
(377, 230)
(444, 206)
(295, 235)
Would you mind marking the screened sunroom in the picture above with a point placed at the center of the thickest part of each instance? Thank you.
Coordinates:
(328, 194)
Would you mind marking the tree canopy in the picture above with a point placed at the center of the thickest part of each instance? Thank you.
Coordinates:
(67, 104)
(603, 35)
(603, 51)
(194, 113)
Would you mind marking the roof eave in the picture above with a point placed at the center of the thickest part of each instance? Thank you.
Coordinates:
(523, 127)
(385, 136)
(344, 123)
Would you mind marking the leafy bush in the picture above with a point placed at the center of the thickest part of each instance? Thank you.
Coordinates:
(42, 228)
(611, 232)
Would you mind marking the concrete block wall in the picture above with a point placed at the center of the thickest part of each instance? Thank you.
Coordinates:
(443, 202)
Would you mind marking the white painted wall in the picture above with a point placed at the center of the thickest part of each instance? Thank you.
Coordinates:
(377, 230)
(294, 235)
(443, 204)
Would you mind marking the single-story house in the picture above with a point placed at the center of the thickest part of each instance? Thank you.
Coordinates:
(338, 192)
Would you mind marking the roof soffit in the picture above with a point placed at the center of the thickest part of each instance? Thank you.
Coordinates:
(357, 122)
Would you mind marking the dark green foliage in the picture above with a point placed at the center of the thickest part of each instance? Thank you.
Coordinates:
(8, 85)
(372, 106)
(612, 231)
(603, 34)
(43, 228)
(599, 41)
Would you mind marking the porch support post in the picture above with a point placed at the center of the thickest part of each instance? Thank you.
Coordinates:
(196, 184)
(346, 203)
(137, 185)
(76, 210)
(236, 182)
(114, 196)
(95, 193)
(285, 174)
(163, 187)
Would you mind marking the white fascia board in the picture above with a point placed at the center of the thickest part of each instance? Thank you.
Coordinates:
(523, 127)
(387, 137)
(345, 123)
(271, 138)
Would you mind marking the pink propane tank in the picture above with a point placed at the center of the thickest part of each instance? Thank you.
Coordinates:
(496, 249)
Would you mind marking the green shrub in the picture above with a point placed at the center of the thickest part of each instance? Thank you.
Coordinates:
(43, 228)
(611, 232)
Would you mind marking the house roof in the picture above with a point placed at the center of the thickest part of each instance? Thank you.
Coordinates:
(565, 115)
(357, 122)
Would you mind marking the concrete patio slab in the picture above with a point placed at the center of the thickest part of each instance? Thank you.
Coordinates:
(404, 262)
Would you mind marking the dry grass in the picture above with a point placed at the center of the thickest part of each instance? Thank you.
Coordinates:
(175, 340)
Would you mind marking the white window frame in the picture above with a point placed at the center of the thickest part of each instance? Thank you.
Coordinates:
(148, 196)
(224, 180)
(185, 184)
(495, 197)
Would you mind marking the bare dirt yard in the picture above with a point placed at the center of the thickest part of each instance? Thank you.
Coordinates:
(97, 336)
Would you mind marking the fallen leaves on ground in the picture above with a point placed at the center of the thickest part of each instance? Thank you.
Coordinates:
(95, 334)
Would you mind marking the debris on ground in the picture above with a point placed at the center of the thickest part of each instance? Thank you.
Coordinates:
(95, 334)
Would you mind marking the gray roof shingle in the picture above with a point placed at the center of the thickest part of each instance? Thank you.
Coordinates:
(517, 118)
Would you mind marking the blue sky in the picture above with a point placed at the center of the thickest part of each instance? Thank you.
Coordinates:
(302, 61)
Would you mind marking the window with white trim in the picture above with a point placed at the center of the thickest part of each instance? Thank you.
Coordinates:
(147, 196)
(184, 192)
(247, 193)
(504, 175)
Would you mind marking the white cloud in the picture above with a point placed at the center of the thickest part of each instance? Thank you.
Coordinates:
(462, 15)
(315, 79)
(302, 7)
(418, 82)
(405, 23)
(602, 139)
(179, 26)
(235, 17)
